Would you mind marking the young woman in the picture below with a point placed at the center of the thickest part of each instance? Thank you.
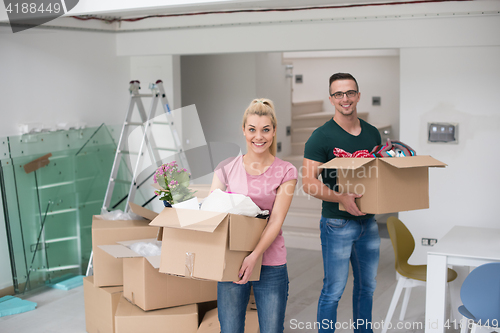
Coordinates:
(270, 183)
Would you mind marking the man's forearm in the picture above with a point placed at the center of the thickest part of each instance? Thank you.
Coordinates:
(317, 189)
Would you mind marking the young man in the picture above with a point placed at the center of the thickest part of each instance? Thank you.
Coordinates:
(347, 235)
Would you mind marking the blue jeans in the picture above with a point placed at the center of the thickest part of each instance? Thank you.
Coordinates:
(271, 294)
(342, 241)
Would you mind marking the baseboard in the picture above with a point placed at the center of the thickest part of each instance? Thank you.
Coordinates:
(7, 291)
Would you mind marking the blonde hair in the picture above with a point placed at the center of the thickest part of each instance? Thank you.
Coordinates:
(263, 107)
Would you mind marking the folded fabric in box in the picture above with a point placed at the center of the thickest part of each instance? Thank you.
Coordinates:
(390, 149)
(393, 149)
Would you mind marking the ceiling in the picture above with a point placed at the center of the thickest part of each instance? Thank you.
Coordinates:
(197, 6)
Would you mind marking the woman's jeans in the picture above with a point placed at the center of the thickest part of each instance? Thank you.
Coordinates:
(342, 241)
(271, 294)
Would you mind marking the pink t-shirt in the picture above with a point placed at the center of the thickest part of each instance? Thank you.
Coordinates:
(262, 190)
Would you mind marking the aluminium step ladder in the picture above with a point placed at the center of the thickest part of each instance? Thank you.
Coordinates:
(148, 144)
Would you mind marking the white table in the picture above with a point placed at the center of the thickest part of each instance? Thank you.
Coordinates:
(461, 246)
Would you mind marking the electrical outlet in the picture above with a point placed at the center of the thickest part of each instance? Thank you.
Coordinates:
(429, 241)
(288, 130)
(278, 147)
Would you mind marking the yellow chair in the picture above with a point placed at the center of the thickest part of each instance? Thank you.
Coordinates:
(408, 276)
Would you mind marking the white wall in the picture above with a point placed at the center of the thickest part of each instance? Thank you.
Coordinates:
(149, 69)
(271, 82)
(61, 76)
(458, 85)
(222, 86)
(50, 77)
(376, 76)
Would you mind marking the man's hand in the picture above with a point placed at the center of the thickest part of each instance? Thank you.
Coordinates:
(349, 203)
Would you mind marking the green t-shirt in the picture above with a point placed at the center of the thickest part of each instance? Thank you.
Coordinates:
(320, 147)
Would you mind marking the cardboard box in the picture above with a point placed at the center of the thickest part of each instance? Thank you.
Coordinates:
(108, 271)
(210, 323)
(100, 306)
(388, 184)
(131, 319)
(207, 245)
(146, 287)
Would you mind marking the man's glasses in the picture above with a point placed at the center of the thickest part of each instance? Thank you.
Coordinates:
(340, 94)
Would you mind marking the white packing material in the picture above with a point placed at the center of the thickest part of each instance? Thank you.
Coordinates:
(188, 204)
(223, 202)
(146, 249)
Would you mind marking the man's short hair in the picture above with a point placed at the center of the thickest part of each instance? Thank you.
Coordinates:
(342, 76)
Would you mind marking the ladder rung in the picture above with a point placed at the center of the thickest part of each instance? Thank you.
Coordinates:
(61, 268)
(160, 123)
(143, 95)
(121, 181)
(133, 123)
(62, 239)
(128, 152)
(166, 149)
(62, 211)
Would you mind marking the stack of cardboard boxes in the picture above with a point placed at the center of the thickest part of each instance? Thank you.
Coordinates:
(130, 292)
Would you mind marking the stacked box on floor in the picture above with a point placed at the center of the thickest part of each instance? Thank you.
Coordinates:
(108, 271)
(132, 286)
(131, 319)
(210, 323)
(146, 287)
(100, 306)
(103, 290)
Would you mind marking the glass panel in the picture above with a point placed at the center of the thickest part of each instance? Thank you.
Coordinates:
(49, 205)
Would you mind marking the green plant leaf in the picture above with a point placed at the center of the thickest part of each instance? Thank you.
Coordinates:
(161, 182)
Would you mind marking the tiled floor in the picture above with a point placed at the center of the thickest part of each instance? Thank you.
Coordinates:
(63, 311)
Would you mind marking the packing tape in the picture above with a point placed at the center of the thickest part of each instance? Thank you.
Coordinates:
(189, 264)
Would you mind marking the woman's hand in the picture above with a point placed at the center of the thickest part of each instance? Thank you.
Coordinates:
(247, 268)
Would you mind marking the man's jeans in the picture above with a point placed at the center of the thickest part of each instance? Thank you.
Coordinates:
(271, 294)
(342, 241)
